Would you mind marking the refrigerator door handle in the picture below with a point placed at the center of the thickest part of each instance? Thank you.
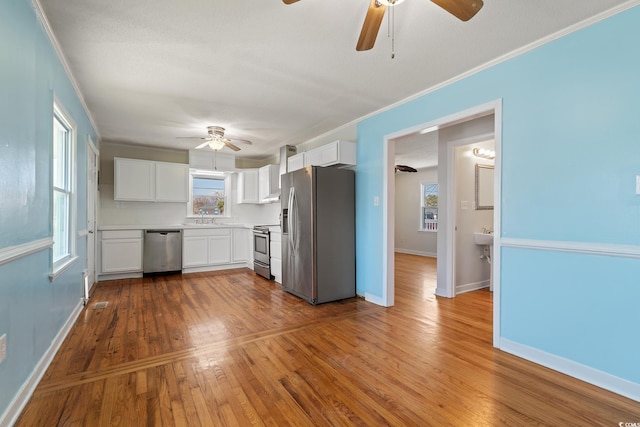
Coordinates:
(290, 221)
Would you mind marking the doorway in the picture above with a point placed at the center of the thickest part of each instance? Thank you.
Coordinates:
(445, 238)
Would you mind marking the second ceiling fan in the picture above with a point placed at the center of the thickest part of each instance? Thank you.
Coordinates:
(461, 9)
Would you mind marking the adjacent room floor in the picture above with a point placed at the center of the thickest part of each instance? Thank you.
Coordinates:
(230, 348)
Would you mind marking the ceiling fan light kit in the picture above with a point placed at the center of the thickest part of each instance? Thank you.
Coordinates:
(216, 139)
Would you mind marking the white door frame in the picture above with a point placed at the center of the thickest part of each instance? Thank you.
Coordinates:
(92, 198)
(445, 269)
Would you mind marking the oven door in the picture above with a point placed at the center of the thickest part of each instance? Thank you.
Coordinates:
(261, 247)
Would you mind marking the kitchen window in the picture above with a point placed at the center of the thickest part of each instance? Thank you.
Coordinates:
(208, 194)
(63, 191)
(429, 207)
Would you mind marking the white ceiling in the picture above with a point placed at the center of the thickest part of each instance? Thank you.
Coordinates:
(154, 70)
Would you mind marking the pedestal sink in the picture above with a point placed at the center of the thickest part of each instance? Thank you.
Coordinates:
(485, 239)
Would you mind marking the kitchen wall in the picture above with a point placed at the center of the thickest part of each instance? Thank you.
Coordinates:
(114, 212)
(570, 216)
(471, 272)
(35, 312)
(408, 238)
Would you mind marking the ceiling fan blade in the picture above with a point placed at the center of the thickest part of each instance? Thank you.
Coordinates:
(204, 144)
(190, 137)
(289, 1)
(233, 147)
(371, 25)
(404, 168)
(243, 141)
(461, 9)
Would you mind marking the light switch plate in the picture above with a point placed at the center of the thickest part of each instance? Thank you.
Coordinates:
(638, 185)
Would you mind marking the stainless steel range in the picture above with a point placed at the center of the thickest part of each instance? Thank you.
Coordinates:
(261, 254)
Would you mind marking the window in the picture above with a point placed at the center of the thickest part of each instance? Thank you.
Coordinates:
(63, 185)
(208, 194)
(429, 207)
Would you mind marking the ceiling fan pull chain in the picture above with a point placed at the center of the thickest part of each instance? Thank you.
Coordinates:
(392, 17)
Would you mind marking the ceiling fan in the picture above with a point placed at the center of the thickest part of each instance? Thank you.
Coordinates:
(461, 9)
(404, 168)
(216, 139)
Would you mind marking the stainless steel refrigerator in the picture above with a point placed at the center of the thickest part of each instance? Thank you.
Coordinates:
(318, 233)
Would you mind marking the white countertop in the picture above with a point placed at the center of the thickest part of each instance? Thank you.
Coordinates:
(169, 226)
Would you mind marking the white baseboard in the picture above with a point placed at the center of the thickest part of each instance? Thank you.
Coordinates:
(469, 287)
(18, 403)
(412, 252)
(582, 372)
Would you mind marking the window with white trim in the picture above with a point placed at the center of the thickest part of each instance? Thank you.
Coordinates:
(208, 193)
(429, 207)
(63, 191)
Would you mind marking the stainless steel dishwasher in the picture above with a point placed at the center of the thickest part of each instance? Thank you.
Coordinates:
(162, 251)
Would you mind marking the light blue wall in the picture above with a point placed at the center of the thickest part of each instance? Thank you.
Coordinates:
(32, 309)
(570, 153)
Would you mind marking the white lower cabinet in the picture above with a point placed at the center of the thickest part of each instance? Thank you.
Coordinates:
(121, 251)
(241, 245)
(214, 247)
(275, 250)
(195, 250)
(220, 249)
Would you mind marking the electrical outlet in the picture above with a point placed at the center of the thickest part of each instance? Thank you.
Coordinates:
(3, 347)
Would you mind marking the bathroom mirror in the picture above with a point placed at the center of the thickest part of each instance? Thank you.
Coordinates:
(484, 187)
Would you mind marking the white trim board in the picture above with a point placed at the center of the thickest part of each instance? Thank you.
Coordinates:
(577, 370)
(602, 249)
(18, 403)
(13, 253)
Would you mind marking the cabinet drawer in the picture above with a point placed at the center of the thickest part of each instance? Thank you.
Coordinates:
(121, 234)
(188, 232)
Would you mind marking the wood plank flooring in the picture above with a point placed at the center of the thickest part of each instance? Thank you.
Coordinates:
(230, 348)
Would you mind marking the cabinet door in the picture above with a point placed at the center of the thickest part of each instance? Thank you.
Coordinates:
(296, 162)
(248, 186)
(240, 245)
(322, 156)
(134, 180)
(172, 182)
(224, 162)
(121, 255)
(219, 249)
(268, 182)
(195, 251)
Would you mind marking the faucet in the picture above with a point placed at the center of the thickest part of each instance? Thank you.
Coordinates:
(486, 230)
(202, 212)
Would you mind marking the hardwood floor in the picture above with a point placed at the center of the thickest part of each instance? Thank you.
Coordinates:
(230, 348)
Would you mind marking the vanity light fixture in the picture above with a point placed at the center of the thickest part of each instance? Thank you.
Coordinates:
(484, 153)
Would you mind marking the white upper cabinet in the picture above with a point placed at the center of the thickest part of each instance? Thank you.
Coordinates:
(172, 182)
(334, 153)
(248, 186)
(268, 183)
(295, 162)
(207, 159)
(148, 181)
(134, 180)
